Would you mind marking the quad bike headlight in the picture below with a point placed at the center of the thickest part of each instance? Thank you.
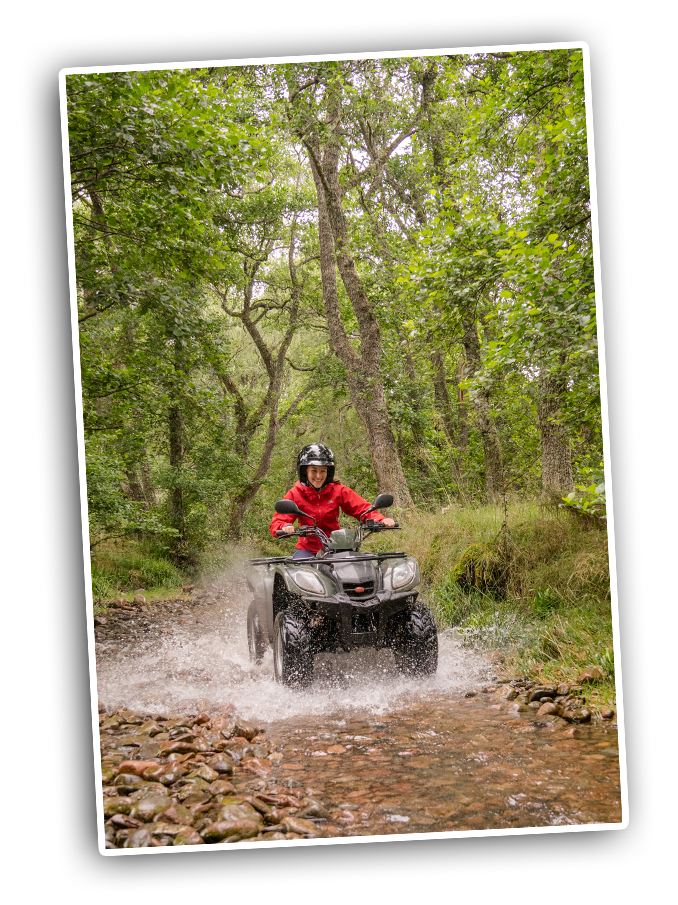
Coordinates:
(307, 581)
(404, 573)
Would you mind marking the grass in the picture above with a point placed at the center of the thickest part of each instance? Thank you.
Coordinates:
(536, 591)
(119, 569)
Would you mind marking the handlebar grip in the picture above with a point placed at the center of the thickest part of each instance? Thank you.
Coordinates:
(283, 534)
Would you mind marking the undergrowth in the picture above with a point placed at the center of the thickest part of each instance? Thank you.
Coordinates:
(124, 566)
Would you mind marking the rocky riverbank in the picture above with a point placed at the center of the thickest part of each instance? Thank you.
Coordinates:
(196, 780)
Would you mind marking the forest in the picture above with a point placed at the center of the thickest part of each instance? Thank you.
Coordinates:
(390, 256)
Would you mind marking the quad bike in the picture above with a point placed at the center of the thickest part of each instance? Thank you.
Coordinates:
(338, 600)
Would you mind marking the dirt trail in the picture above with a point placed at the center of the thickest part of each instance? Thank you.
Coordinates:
(382, 753)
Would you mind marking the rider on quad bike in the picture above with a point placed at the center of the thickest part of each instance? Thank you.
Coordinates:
(330, 596)
(317, 493)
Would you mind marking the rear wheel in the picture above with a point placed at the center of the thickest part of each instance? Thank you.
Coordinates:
(292, 651)
(415, 646)
(255, 636)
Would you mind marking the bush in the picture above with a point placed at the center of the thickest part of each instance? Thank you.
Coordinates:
(483, 567)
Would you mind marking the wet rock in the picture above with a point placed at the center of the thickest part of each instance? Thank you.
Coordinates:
(137, 767)
(102, 707)
(172, 773)
(517, 707)
(540, 691)
(187, 588)
(204, 772)
(505, 693)
(188, 836)
(245, 730)
(202, 719)
(123, 821)
(260, 750)
(577, 716)
(150, 727)
(100, 620)
(149, 789)
(140, 838)
(591, 675)
(237, 809)
(120, 804)
(256, 765)
(313, 808)
(147, 809)
(607, 714)
(108, 774)
(177, 813)
(224, 725)
(222, 763)
(301, 827)
(221, 787)
(471, 694)
(563, 689)
(547, 708)
(534, 705)
(128, 782)
(177, 747)
(230, 830)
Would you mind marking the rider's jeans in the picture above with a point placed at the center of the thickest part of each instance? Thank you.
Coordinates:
(303, 554)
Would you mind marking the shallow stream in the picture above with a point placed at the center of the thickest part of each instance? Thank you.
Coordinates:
(387, 754)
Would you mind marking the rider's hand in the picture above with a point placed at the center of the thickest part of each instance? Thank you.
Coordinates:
(289, 529)
(388, 523)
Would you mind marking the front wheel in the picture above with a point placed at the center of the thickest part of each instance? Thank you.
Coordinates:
(292, 651)
(256, 642)
(416, 643)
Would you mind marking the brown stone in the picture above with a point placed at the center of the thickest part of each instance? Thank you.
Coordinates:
(505, 693)
(337, 749)
(138, 767)
(607, 714)
(548, 708)
(302, 827)
(188, 836)
(245, 730)
(591, 675)
(177, 747)
(230, 830)
(256, 765)
(563, 689)
(177, 813)
(541, 691)
(139, 600)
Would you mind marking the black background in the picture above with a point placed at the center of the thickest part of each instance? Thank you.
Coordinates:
(55, 673)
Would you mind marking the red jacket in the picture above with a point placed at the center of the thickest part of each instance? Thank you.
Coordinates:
(324, 506)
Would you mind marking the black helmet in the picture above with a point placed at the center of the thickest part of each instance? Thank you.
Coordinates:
(315, 454)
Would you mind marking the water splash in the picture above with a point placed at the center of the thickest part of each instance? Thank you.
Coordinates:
(202, 663)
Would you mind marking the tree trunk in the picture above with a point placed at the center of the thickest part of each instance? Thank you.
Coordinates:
(363, 370)
(494, 468)
(556, 450)
(177, 519)
(135, 490)
(459, 438)
(147, 481)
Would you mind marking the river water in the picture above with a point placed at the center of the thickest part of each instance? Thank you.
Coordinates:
(386, 754)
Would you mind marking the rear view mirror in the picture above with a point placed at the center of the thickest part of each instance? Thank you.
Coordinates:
(287, 507)
(383, 501)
